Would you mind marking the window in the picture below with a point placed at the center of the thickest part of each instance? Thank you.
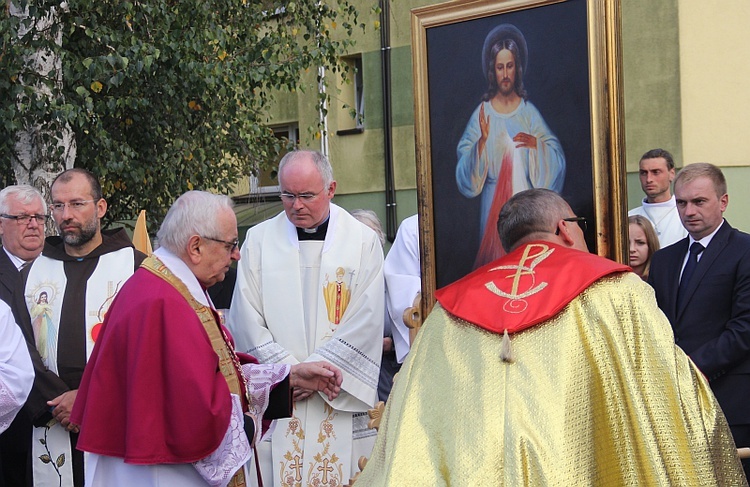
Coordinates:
(267, 181)
(351, 97)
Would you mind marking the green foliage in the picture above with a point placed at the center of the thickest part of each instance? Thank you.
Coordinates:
(165, 95)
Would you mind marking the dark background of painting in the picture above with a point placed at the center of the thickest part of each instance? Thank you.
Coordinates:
(557, 83)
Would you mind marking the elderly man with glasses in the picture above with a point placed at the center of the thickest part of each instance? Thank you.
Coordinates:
(162, 400)
(68, 291)
(549, 366)
(23, 214)
(310, 287)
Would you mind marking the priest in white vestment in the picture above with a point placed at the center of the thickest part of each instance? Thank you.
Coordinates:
(310, 287)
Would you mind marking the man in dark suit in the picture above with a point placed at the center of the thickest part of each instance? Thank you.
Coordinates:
(23, 214)
(702, 284)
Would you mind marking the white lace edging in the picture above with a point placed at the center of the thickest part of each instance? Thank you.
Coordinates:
(234, 451)
(260, 380)
(9, 406)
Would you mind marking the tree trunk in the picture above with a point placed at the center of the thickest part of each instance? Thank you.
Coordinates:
(42, 150)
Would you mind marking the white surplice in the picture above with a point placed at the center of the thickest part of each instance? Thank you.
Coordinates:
(402, 281)
(307, 301)
(16, 371)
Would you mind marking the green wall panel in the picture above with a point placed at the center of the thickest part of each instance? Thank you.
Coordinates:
(651, 75)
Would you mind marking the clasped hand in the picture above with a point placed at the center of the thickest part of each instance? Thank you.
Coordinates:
(309, 377)
(62, 406)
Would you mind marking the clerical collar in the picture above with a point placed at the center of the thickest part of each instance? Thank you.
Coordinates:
(318, 233)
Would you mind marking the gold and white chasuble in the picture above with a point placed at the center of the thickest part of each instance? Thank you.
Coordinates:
(597, 394)
(45, 288)
(308, 301)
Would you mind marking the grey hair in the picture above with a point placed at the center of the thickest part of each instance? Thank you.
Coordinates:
(24, 193)
(320, 161)
(370, 218)
(529, 212)
(193, 213)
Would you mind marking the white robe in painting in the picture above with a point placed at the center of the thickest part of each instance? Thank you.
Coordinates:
(502, 169)
(286, 290)
(16, 371)
(540, 168)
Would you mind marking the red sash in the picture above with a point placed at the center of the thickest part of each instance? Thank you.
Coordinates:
(526, 287)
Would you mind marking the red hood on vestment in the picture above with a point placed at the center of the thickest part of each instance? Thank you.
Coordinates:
(526, 287)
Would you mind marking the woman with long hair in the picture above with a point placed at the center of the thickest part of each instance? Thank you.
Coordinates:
(643, 243)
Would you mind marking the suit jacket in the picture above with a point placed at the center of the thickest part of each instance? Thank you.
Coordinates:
(9, 278)
(713, 324)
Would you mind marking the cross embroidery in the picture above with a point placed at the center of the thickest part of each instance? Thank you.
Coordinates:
(297, 467)
(325, 468)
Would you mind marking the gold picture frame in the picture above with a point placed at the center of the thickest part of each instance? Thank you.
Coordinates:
(584, 106)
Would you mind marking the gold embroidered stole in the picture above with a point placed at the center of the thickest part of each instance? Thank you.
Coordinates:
(227, 357)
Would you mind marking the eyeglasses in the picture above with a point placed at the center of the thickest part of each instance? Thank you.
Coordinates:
(73, 205)
(305, 197)
(581, 220)
(25, 219)
(230, 246)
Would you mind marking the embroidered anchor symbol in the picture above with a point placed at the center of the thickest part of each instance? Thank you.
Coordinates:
(516, 301)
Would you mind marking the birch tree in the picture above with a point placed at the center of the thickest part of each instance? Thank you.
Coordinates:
(156, 97)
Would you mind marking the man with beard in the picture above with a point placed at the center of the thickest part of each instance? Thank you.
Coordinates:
(80, 272)
(506, 146)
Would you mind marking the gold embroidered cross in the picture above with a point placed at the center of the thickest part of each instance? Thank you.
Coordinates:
(325, 468)
(297, 467)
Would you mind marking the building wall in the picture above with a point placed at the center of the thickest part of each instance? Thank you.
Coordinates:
(715, 81)
(358, 159)
(688, 90)
(685, 90)
(651, 79)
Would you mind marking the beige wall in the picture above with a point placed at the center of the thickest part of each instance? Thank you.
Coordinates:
(715, 81)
